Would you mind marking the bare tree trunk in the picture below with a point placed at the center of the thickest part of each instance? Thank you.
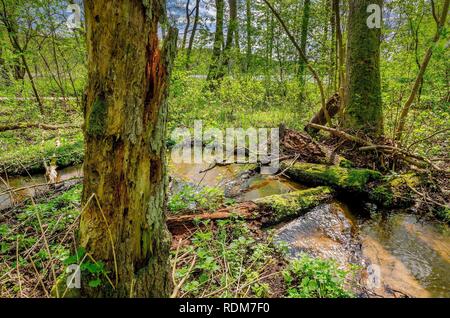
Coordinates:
(215, 68)
(125, 109)
(3, 70)
(303, 39)
(405, 110)
(248, 26)
(188, 22)
(341, 56)
(232, 27)
(194, 31)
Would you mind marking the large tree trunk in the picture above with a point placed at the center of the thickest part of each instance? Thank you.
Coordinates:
(363, 106)
(215, 68)
(124, 195)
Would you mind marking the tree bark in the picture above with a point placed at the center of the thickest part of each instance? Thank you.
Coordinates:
(125, 111)
(363, 106)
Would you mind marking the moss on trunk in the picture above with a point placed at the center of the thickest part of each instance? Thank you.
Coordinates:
(363, 112)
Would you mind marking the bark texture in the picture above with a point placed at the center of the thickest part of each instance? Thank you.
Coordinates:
(363, 106)
(124, 168)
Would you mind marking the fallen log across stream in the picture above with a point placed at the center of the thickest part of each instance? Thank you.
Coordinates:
(329, 181)
(370, 185)
(268, 210)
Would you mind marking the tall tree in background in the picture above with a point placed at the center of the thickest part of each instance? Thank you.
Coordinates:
(124, 195)
(304, 37)
(188, 23)
(440, 23)
(193, 32)
(248, 27)
(231, 35)
(340, 54)
(9, 17)
(364, 108)
(215, 68)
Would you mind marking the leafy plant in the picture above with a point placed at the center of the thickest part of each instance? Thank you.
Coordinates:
(315, 278)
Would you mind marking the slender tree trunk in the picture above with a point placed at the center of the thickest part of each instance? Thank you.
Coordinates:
(194, 31)
(125, 110)
(215, 68)
(303, 40)
(341, 56)
(232, 27)
(188, 22)
(333, 50)
(248, 26)
(21, 66)
(364, 107)
(3, 70)
(405, 110)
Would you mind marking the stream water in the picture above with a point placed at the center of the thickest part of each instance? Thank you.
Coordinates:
(403, 253)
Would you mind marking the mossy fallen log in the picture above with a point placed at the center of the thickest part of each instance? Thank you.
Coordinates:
(348, 179)
(395, 192)
(278, 208)
(369, 184)
(268, 210)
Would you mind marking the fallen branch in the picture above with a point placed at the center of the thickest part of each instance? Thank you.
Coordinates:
(367, 145)
(244, 210)
(35, 125)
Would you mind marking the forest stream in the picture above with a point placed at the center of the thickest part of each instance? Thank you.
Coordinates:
(405, 255)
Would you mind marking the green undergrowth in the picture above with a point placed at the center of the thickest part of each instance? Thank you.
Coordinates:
(34, 238)
(231, 259)
(191, 199)
(308, 277)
